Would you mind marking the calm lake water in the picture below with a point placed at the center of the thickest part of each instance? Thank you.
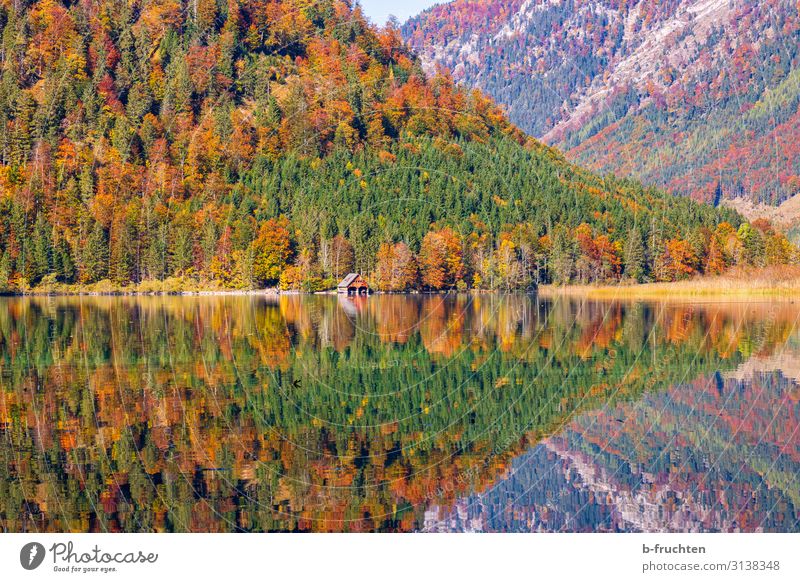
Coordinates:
(397, 413)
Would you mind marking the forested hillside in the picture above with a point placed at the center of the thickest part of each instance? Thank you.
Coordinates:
(258, 143)
(698, 96)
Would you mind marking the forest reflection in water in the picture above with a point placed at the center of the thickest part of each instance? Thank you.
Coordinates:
(397, 413)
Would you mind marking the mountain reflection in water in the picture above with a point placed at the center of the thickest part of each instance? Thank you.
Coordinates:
(397, 413)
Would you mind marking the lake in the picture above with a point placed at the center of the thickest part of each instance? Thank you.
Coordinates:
(397, 413)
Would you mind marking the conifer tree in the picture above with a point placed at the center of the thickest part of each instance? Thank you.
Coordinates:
(41, 256)
(97, 255)
(180, 251)
(635, 256)
(562, 256)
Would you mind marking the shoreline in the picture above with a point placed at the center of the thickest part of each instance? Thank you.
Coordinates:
(235, 293)
(647, 291)
(741, 284)
(135, 293)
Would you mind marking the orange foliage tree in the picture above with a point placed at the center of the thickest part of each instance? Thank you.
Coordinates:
(272, 250)
(680, 260)
(441, 259)
(396, 269)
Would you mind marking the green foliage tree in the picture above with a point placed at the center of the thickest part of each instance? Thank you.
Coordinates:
(562, 256)
(97, 255)
(42, 254)
(635, 256)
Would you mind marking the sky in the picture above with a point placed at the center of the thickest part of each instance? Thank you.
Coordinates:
(379, 10)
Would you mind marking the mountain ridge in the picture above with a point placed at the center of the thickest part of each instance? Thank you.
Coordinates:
(679, 94)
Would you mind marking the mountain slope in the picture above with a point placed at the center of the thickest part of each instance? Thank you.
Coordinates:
(699, 96)
(257, 142)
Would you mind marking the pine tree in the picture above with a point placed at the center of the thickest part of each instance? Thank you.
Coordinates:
(41, 255)
(635, 256)
(180, 251)
(156, 254)
(122, 259)
(97, 255)
(208, 243)
(562, 256)
(5, 270)
(63, 265)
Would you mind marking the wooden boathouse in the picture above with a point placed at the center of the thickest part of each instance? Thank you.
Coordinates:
(353, 284)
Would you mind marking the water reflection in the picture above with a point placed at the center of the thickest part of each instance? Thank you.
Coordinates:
(716, 454)
(396, 413)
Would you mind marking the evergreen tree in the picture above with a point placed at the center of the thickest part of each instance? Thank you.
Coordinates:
(122, 258)
(63, 265)
(41, 256)
(208, 243)
(97, 255)
(562, 256)
(180, 251)
(635, 256)
(156, 254)
(5, 270)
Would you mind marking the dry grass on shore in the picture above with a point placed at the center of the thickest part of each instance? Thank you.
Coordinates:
(738, 284)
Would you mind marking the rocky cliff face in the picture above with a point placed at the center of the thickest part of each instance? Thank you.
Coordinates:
(700, 96)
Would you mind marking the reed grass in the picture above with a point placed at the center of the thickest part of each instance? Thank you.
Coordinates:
(773, 283)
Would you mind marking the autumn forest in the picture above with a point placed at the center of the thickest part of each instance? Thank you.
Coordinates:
(155, 145)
